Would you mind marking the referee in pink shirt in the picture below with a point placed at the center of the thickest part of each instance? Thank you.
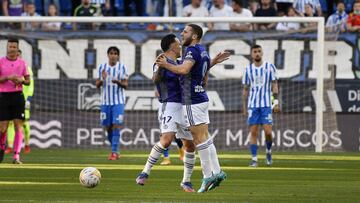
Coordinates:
(13, 75)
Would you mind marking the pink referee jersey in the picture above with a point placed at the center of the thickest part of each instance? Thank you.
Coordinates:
(8, 68)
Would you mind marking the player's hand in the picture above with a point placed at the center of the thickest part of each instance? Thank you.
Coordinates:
(161, 60)
(27, 104)
(275, 106)
(18, 80)
(103, 74)
(222, 56)
(276, 109)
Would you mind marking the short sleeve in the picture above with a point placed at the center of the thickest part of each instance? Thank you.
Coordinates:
(124, 72)
(191, 54)
(155, 68)
(273, 72)
(25, 71)
(245, 79)
(99, 71)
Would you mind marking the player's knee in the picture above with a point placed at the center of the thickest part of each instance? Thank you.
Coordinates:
(166, 140)
(189, 146)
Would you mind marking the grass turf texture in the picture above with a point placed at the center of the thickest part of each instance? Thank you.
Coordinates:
(53, 176)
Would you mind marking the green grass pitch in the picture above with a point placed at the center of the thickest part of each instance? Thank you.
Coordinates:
(52, 176)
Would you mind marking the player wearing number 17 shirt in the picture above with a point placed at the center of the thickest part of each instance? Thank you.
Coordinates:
(194, 70)
(170, 115)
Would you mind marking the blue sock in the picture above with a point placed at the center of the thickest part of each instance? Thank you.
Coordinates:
(166, 153)
(253, 149)
(115, 140)
(268, 145)
(109, 136)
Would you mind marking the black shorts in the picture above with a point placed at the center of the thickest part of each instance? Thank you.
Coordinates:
(12, 106)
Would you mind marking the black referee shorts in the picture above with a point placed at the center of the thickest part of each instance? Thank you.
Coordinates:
(12, 106)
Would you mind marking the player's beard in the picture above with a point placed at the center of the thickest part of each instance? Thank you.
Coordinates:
(186, 41)
(257, 60)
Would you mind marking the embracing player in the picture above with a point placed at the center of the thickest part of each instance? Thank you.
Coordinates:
(260, 80)
(194, 70)
(170, 115)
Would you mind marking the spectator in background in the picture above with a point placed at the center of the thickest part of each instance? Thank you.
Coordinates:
(337, 21)
(309, 12)
(30, 12)
(104, 7)
(253, 6)
(265, 10)
(353, 21)
(300, 6)
(74, 5)
(155, 7)
(139, 7)
(195, 10)
(13, 8)
(286, 26)
(47, 3)
(220, 9)
(52, 11)
(283, 5)
(240, 11)
(86, 9)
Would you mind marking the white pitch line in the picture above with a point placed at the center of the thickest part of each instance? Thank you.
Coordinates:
(34, 183)
(157, 167)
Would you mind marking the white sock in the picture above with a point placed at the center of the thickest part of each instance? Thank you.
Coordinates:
(204, 154)
(268, 151)
(189, 163)
(254, 158)
(154, 156)
(214, 158)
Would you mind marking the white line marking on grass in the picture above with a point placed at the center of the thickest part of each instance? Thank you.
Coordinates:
(156, 167)
(34, 183)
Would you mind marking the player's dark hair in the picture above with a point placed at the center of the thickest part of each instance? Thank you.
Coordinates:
(13, 40)
(167, 41)
(239, 2)
(340, 2)
(196, 30)
(20, 51)
(113, 49)
(255, 46)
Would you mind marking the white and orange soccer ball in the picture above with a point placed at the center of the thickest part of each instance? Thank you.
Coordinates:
(90, 177)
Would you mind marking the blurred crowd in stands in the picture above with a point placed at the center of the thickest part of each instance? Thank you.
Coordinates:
(341, 15)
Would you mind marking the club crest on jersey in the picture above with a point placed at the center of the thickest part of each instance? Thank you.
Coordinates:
(189, 55)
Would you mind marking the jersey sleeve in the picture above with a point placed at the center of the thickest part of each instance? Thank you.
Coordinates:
(191, 54)
(124, 73)
(99, 71)
(273, 75)
(25, 71)
(245, 78)
(155, 68)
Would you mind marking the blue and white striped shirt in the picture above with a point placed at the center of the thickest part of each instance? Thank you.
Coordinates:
(111, 93)
(299, 5)
(259, 80)
(337, 21)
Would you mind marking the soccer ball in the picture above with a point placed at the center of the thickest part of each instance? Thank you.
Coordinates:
(90, 177)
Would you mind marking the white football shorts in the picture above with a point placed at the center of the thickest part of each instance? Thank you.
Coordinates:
(171, 119)
(196, 114)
